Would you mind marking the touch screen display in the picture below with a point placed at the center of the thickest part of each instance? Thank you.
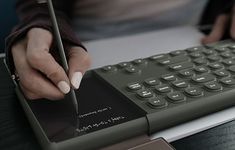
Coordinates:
(99, 107)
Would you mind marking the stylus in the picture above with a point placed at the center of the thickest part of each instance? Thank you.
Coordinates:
(61, 50)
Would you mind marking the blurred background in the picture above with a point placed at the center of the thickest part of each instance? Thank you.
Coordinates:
(7, 20)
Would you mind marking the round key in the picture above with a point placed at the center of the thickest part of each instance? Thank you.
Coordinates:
(203, 78)
(163, 88)
(139, 61)
(180, 84)
(228, 81)
(157, 102)
(193, 49)
(186, 73)
(232, 68)
(200, 61)
(124, 64)
(215, 65)
(151, 81)
(208, 51)
(226, 54)
(201, 69)
(145, 93)
(232, 47)
(134, 86)
(178, 52)
(196, 55)
(213, 58)
(194, 91)
(109, 68)
(132, 70)
(169, 77)
(233, 50)
(221, 49)
(221, 73)
(181, 66)
(213, 86)
(176, 97)
(158, 57)
(229, 62)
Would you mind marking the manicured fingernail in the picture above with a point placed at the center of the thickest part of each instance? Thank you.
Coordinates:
(76, 79)
(64, 87)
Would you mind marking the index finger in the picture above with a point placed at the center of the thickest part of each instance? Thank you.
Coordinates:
(40, 59)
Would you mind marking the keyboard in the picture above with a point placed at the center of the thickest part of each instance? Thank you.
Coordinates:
(175, 87)
(137, 97)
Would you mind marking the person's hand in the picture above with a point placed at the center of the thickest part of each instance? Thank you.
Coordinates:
(40, 76)
(220, 26)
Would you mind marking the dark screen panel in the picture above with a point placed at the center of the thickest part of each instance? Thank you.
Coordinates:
(99, 107)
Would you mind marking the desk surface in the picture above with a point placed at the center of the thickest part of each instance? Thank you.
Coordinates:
(15, 132)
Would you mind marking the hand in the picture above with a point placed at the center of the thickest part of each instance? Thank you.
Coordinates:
(222, 22)
(40, 76)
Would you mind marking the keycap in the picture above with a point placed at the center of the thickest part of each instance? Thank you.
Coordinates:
(221, 73)
(213, 86)
(186, 73)
(145, 93)
(132, 70)
(229, 62)
(157, 102)
(178, 52)
(228, 81)
(139, 61)
(180, 84)
(213, 58)
(151, 81)
(221, 49)
(109, 68)
(193, 49)
(193, 91)
(215, 65)
(226, 54)
(203, 78)
(196, 54)
(200, 61)
(201, 69)
(208, 51)
(176, 97)
(157, 57)
(124, 64)
(232, 68)
(181, 66)
(169, 77)
(134, 86)
(232, 47)
(163, 88)
(172, 60)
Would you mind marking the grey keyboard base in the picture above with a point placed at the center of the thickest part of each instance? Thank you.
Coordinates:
(178, 86)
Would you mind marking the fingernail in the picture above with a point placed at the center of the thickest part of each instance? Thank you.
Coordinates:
(76, 79)
(64, 87)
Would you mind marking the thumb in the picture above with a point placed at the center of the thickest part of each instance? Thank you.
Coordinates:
(79, 62)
